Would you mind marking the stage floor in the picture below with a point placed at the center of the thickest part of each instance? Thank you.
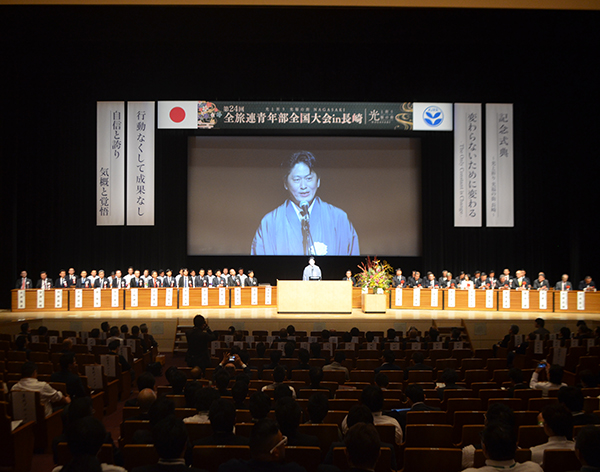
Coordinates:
(484, 327)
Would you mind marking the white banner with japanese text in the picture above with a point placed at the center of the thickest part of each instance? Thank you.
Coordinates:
(140, 163)
(499, 163)
(468, 205)
(110, 164)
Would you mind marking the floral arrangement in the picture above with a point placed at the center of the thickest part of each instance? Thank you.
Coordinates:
(375, 275)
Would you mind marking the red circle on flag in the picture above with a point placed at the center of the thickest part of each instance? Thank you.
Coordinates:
(177, 114)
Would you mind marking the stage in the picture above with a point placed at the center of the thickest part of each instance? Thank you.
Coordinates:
(483, 327)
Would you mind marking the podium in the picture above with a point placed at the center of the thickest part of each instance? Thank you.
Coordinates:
(325, 296)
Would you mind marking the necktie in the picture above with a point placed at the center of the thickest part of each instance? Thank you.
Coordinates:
(23, 285)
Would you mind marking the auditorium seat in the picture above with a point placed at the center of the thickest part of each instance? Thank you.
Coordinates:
(383, 464)
(470, 435)
(387, 433)
(426, 417)
(472, 363)
(306, 393)
(462, 404)
(476, 375)
(348, 394)
(211, 457)
(367, 364)
(243, 429)
(436, 354)
(500, 376)
(458, 393)
(362, 376)
(307, 457)
(368, 354)
(590, 404)
(460, 354)
(515, 404)
(128, 429)
(335, 417)
(529, 436)
(526, 418)
(538, 404)
(299, 375)
(46, 428)
(64, 456)
(462, 418)
(17, 444)
(448, 363)
(198, 430)
(428, 435)
(178, 400)
(526, 393)
(487, 393)
(138, 455)
(425, 459)
(560, 460)
(415, 376)
(521, 455)
(483, 353)
(182, 413)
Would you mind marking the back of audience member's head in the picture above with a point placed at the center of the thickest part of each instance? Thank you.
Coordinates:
(275, 356)
(516, 375)
(339, 357)
(303, 356)
(104, 326)
(388, 356)
(66, 361)
(28, 369)
(42, 331)
(500, 413)
(20, 342)
(283, 333)
(169, 373)
(25, 328)
(391, 333)
(325, 335)
(222, 416)
(85, 436)
(449, 376)
(540, 322)
(586, 446)
(170, 437)
(204, 398)
(95, 333)
(259, 405)
(499, 442)
(382, 380)
(434, 334)
(146, 398)
(114, 331)
(79, 408)
(555, 374)
(113, 345)
(318, 406)
(346, 337)
(362, 446)
(279, 374)
(135, 331)
(243, 377)
(359, 414)
(260, 349)
(124, 329)
(565, 332)
(572, 398)
(145, 380)
(372, 398)
(415, 393)
(418, 357)
(288, 414)
(291, 330)
(369, 336)
(289, 349)
(315, 350)
(160, 409)
(67, 344)
(263, 438)
(514, 329)
(355, 332)
(282, 391)
(199, 321)
(315, 374)
(189, 393)
(239, 391)
(558, 420)
(221, 380)
(178, 381)
(588, 379)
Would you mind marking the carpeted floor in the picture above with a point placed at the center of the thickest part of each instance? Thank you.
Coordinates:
(45, 462)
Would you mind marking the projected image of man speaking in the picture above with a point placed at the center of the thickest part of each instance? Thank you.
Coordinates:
(304, 224)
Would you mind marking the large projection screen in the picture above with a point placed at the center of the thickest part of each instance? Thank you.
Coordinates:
(233, 182)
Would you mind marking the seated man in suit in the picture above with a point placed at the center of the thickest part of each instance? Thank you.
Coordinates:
(101, 281)
(564, 283)
(388, 362)
(222, 419)
(170, 439)
(61, 281)
(431, 282)
(251, 280)
(24, 282)
(267, 449)
(482, 282)
(289, 414)
(417, 363)
(541, 283)
(349, 278)
(504, 283)
(415, 281)
(84, 281)
(499, 446)
(448, 281)
(449, 378)
(416, 399)
(587, 284)
(44, 282)
(154, 281)
(398, 280)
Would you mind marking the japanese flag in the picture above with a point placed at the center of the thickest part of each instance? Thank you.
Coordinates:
(183, 115)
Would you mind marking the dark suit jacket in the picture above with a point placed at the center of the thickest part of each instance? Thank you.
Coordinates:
(583, 285)
(102, 283)
(412, 282)
(39, 283)
(156, 284)
(182, 281)
(222, 439)
(28, 283)
(387, 366)
(419, 366)
(234, 281)
(64, 284)
(398, 281)
(72, 281)
(201, 281)
(169, 282)
(301, 439)
(198, 347)
(352, 279)
(568, 285)
(537, 284)
(84, 283)
(136, 283)
(72, 381)
(401, 415)
(119, 283)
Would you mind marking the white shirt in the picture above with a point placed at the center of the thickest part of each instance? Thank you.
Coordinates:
(47, 394)
(201, 418)
(545, 387)
(554, 442)
(380, 418)
(105, 468)
(511, 465)
(273, 386)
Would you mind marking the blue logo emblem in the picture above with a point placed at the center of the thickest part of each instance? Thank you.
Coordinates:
(433, 116)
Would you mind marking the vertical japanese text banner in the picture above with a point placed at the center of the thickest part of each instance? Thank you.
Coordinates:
(110, 163)
(140, 163)
(499, 164)
(468, 205)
